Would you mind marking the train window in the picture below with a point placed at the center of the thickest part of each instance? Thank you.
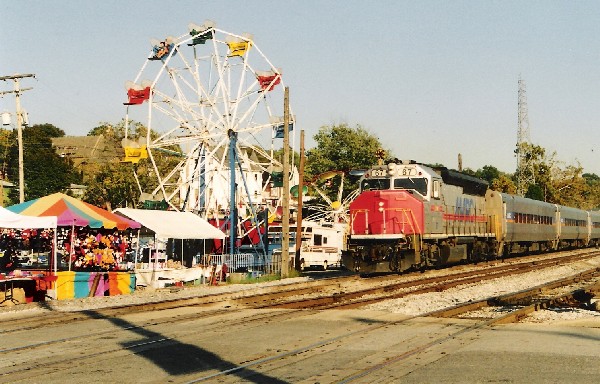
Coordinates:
(375, 184)
(418, 184)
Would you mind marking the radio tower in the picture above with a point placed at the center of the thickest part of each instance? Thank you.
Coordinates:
(525, 175)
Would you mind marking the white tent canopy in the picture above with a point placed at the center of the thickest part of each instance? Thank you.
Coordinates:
(171, 224)
(9, 219)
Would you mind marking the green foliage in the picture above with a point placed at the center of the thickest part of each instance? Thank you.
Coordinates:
(559, 183)
(591, 179)
(114, 184)
(504, 184)
(45, 172)
(342, 148)
(117, 131)
(294, 156)
(488, 173)
(247, 279)
(570, 188)
(535, 192)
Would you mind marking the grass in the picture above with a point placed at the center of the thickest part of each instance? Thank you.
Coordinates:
(263, 278)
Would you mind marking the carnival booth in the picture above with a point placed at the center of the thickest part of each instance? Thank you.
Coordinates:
(11, 277)
(161, 255)
(91, 246)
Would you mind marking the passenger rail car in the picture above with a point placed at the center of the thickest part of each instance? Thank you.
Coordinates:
(411, 216)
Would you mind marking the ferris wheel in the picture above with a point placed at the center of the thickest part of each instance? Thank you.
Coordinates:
(208, 97)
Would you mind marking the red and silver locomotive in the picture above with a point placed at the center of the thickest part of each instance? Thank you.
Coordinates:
(411, 216)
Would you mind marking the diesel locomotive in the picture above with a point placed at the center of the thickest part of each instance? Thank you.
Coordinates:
(410, 216)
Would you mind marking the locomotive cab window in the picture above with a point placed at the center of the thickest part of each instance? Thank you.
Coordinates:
(418, 184)
(375, 184)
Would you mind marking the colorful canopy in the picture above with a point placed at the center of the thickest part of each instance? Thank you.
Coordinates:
(71, 211)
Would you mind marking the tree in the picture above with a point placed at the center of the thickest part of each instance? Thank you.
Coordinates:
(45, 172)
(488, 173)
(114, 184)
(561, 184)
(117, 131)
(593, 196)
(341, 148)
(504, 184)
(591, 179)
(570, 188)
(535, 192)
(542, 165)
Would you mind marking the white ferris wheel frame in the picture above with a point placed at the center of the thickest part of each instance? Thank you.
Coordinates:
(208, 119)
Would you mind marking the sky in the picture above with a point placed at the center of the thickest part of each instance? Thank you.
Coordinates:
(430, 79)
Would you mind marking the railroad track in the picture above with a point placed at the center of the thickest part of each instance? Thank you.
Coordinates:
(339, 292)
(394, 290)
(515, 306)
(222, 309)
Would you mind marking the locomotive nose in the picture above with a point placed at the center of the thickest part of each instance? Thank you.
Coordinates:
(386, 213)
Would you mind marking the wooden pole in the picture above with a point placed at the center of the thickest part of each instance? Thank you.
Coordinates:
(285, 225)
(299, 213)
(20, 121)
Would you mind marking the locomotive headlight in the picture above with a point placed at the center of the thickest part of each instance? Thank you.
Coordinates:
(381, 206)
(391, 169)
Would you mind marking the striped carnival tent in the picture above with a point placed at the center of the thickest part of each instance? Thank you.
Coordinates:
(73, 212)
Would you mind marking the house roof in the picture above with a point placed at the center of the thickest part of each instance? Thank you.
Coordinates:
(86, 149)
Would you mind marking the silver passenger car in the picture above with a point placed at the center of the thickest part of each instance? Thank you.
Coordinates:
(573, 226)
(521, 220)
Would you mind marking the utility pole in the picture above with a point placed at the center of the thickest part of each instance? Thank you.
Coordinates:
(285, 225)
(17, 91)
(525, 174)
(300, 205)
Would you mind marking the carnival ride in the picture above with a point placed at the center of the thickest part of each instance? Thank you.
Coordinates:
(330, 210)
(213, 103)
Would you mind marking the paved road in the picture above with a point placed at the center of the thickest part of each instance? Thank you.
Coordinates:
(281, 346)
